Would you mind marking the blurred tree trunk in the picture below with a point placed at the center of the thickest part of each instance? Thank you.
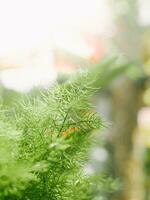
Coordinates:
(126, 103)
(126, 97)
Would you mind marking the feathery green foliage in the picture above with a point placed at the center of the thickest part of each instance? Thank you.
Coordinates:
(43, 144)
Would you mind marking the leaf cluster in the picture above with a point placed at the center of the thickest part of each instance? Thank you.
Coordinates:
(43, 144)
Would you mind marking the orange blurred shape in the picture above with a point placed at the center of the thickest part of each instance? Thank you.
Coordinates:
(69, 131)
(98, 47)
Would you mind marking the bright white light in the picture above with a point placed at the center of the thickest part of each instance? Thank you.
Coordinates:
(28, 25)
(36, 72)
(144, 12)
(25, 78)
(73, 44)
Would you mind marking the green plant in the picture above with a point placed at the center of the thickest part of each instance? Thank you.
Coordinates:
(43, 143)
(44, 139)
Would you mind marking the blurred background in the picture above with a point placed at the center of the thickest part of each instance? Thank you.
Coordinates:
(44, 41)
